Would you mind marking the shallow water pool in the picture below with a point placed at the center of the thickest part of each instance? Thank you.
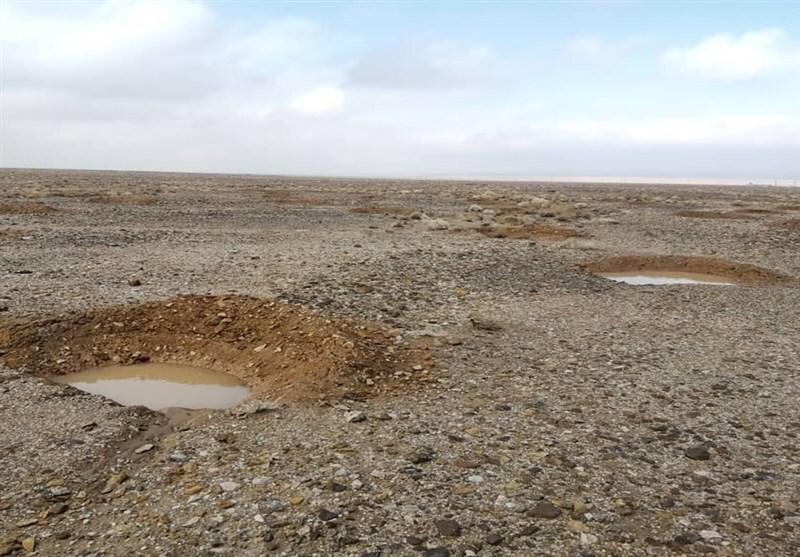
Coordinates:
(160, 386)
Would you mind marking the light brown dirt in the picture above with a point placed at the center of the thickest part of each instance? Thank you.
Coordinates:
(26, 208)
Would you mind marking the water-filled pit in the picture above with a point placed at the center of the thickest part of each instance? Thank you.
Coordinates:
(684, 269)
(159, 386)
(642, 278)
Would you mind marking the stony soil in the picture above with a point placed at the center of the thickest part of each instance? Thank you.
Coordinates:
(451, 379)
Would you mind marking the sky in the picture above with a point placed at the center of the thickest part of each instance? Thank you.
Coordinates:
(415, 89)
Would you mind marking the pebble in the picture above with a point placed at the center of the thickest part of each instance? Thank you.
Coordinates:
(325, 515)
(421, 456)
(710, 535)
(698, 452)
(494, 539)
(448, 527)
(355, 417)
(230, 486)
(544, 509)
(144, 448)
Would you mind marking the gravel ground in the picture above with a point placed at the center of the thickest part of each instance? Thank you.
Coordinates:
(554, 413)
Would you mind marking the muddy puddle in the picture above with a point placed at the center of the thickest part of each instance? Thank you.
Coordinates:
(641, 278)
(159, 386)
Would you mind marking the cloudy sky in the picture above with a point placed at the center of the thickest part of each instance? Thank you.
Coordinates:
(668, 89)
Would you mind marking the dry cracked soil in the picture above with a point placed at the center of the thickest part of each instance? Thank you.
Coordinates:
(435, 370)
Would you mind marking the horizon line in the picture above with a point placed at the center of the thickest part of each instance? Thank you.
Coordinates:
(622, 180)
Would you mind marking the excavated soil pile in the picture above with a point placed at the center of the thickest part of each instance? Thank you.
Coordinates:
(741, 273)
(381, 210)
(124, 199)
(740, 214)
(26, 209)
(788, 224)
(281, 352)
(532, 231)
(289, 197)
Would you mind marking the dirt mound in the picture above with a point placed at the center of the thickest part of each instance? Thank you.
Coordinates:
(739, 215)
(531, 231)
(282, 352)
(788, 224)
(387, 211)
(26, 208)
(742, 273)
(124, 199)
(289, 197)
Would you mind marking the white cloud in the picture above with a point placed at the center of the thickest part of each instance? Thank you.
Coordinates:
(143, 49)
(175, 86)
(747, 56)
(424, 64)
(598, 48)
(743, 130)
(325, 99)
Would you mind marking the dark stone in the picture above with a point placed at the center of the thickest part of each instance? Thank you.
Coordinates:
(423, 455)
(502, 407)
(494, 539)
(414, 540)
(686, 539)
(437, 552)
(698, 452)
(325, 515)
(59, 508)
(544, 509)
(336, 487)
(448, 527)
(529, 530)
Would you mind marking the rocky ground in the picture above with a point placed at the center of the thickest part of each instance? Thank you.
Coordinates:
(451, 380)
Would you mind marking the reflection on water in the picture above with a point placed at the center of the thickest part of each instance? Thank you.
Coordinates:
(666, 277)
(160, 386)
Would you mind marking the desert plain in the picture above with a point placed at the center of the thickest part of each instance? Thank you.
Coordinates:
(435, 368)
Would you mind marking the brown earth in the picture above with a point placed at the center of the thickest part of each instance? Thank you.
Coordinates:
(287, 352)
(124, 199)
(383, 210)
(26, 209)
(742, 273)
(287, 197)
(713, 215)
(531, 231)
(788, 224)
